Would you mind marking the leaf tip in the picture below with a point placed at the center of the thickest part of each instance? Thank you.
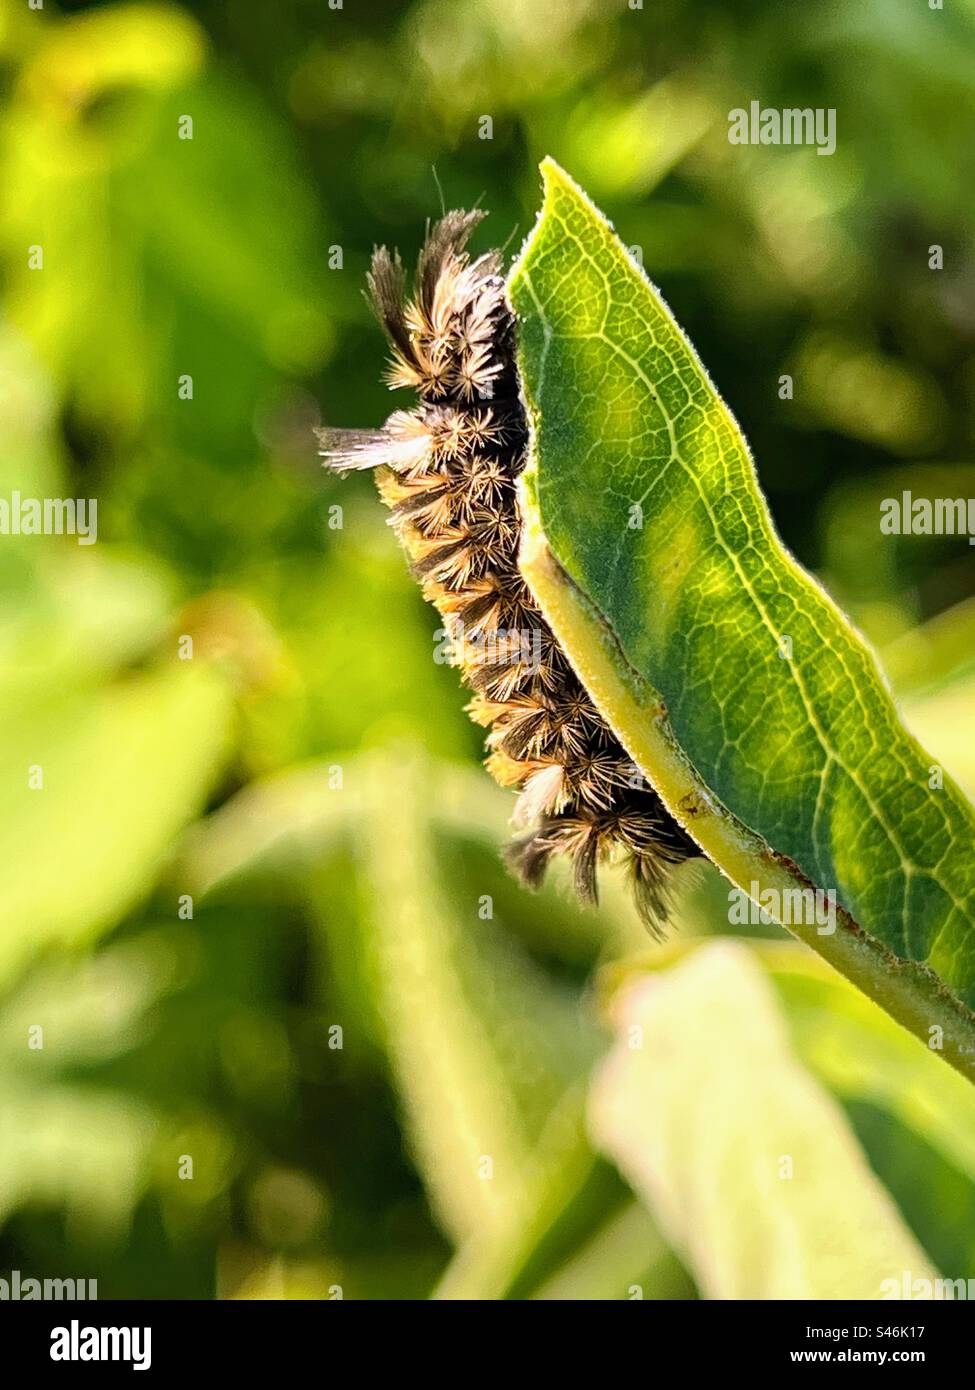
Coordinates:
(555, 179)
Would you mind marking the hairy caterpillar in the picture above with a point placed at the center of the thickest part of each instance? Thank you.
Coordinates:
(447, 470)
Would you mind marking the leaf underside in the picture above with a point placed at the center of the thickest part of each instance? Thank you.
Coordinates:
(713, 1139)
(742, 692)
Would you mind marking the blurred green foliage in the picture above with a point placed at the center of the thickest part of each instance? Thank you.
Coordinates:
(309, 779)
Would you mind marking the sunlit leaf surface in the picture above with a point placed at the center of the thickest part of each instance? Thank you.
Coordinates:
(735, 683)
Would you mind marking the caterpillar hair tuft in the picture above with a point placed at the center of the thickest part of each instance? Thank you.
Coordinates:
(448, 469)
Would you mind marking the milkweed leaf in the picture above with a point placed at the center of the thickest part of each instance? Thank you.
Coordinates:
(748, 1164)
(742, 693)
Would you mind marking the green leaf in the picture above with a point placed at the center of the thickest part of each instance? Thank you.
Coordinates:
(748, 1165)
(68, 1139)
(932, 668)
(93, 789)
(730, 677)
(855, 1050)
(487, 1053)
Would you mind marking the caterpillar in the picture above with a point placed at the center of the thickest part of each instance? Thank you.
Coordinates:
(447, 470)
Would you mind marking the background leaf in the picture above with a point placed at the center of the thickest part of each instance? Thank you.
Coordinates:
(122, 771)
(749, 1166)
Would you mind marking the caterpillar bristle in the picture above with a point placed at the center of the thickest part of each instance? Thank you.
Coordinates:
(447, 470)
(387, 286)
